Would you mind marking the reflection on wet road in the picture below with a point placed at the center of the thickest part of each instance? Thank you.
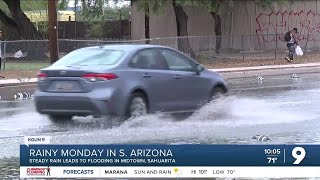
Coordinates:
(284, 109)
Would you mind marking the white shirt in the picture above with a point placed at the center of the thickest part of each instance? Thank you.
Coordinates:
(0, 48)
(291, 40)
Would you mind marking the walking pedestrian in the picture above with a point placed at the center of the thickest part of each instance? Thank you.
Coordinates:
(291, 39)
(1, 39)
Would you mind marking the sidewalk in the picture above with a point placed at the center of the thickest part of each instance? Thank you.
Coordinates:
(16, 88)
(267, 67)
(14, 82)
(272, 70)
(12, 89)
(238, 72)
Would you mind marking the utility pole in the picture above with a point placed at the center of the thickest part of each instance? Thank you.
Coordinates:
(121, 32)
(53, 28)
(75, 18)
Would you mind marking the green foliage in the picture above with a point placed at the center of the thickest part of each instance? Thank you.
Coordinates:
(34, 5)
(108, 14)
(143, 5)
(216, 5)
(93, 9)
(211, 5)
(151, 6)
(40, 8)
(269, 4)
(30, 5)
(156, 6)
(63, 4)
(96, 30)
(4, 8)
(116, 13)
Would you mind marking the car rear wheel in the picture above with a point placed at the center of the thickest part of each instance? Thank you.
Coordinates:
(137, 106)
(217, 93)
(59, 118)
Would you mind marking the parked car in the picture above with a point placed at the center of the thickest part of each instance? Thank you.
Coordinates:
(124, 80)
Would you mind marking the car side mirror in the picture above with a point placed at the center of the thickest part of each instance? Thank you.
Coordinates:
(199, 68)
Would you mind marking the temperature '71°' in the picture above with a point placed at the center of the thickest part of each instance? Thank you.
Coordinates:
(272, 160)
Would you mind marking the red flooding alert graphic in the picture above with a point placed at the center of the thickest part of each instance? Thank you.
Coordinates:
(38, 171)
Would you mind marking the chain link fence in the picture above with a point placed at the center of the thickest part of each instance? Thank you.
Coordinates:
(29, 56)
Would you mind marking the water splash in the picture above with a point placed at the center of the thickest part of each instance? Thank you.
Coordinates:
(284, 117)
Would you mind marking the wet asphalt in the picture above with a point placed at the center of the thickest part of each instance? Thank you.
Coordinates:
(284, 108)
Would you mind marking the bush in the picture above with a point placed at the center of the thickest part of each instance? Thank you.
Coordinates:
(96, 30)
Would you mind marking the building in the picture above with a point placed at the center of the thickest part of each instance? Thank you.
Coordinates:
(42, 15)
(245, 26)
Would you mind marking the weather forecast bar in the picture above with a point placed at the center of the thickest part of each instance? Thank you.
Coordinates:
(169, 172)
(169, 161)
(169, 155)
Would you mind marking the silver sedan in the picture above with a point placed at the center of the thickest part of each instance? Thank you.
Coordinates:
(124, 80)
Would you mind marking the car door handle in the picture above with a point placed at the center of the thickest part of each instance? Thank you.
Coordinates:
(177, 76)
(146, 75)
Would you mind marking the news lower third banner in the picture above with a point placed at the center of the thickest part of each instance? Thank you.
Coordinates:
(165, 161)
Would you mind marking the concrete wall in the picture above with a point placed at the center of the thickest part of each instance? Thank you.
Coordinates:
(137, 22)
(244, 25)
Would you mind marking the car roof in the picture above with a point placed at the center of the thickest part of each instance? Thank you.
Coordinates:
(127, 47)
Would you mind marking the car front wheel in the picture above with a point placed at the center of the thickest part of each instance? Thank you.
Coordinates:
(216, 93)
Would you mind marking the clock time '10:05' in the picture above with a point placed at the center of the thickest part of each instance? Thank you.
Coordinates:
(272, 151)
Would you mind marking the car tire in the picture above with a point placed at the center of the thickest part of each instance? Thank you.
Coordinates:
(137, 106)
(217, 93)
(59, 118)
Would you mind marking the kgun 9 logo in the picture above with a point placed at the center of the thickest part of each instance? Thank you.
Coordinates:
(298, 153)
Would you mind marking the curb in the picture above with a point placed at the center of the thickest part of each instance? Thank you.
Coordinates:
(228, 73)
(19, 89)
(17, 82)
(268, 67)
(22, 91)
(245, 72)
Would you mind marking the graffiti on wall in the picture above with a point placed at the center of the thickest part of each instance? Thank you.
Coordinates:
(272, 26)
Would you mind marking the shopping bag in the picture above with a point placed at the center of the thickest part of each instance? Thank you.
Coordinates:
(299, 51)
(18, 54)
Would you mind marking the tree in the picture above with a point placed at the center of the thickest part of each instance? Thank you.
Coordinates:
(116, 13)
(182, 28)
(269, 4)
(95, 8)
(13, 17)
(92, 8)
(18, 21)
(98, 27)
(62, 4)
(144, 6)
(157, 6)
(213, 6)
(215, 9)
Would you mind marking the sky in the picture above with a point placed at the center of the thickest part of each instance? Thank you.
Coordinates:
(111, 3)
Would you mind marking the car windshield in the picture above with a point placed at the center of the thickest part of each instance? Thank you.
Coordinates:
(90, 57)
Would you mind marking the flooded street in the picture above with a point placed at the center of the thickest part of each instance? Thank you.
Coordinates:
(284, 109)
